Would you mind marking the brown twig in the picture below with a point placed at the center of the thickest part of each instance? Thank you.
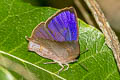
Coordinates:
(111, 38)
(84, 12)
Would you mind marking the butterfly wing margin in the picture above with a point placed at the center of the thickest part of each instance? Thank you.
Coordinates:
(63, 25)
(41, 32)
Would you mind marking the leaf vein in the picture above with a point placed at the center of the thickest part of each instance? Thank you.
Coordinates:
(88, 74)
(6, 38)
(110, 74)
(17, 47)
(32, 64)
(84, 60)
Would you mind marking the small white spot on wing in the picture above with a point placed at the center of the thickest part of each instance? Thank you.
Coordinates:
(33, 46)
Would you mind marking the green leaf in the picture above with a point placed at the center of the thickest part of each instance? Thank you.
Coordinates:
(5, 74)
(18, 19)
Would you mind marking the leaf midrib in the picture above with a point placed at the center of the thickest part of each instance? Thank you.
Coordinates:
(32, 64)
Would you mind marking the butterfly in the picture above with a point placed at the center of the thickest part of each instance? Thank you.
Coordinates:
(57, 38)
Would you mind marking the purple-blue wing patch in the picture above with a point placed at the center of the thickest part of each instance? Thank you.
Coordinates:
(63, 25)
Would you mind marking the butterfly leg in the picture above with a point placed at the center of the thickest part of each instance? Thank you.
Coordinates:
(62, 67)
(84, 51)
(67, 67)
(83, 66)
(49, 62)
